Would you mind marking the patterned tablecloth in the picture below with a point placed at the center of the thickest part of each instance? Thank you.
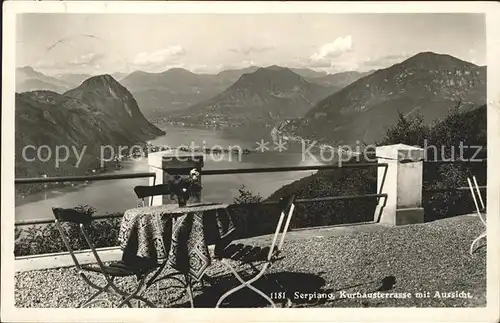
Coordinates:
(147, 233)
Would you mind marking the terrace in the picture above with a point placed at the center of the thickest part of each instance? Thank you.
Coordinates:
(397, 255)
(430, 257)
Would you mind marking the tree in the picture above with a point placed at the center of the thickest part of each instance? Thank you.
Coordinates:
(407, 130)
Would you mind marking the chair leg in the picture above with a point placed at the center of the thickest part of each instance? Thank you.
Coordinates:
(134, 295)
(128, 303)
(144, 300)
(97, 301)
(472, 246)
(169, 276)
(205, 279)
(92, 299)
(156, 274)
(245, 284)
(189, 289)
(186, 284)
(100, 290)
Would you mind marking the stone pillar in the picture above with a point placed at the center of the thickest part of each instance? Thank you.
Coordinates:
(402, 182)
(167, 164)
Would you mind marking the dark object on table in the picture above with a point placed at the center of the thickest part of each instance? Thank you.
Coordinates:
(183, 188)
(186, 188)
(183, 197)
(139, 269)
(151, 191)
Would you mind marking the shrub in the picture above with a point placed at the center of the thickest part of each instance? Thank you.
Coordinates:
(42, 239)
(248, 215)
(337, 182)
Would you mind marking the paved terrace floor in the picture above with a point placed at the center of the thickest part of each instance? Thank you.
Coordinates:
(431, 257)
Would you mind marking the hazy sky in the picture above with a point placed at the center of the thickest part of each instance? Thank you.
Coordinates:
(105, 43)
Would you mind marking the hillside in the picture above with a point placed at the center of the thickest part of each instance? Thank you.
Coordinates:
(159, 93)
(467, 128)
(100, 112)
(427, 83)
(264, 97)
(176, 89)
(107, 95)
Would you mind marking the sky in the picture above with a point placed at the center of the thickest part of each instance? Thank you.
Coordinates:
(208, 43)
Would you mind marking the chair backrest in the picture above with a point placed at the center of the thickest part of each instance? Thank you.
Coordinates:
(150, 191)
(478, 210)
(70, 215)
(287, 206)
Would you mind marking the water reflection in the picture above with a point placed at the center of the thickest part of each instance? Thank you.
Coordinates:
(118, 195)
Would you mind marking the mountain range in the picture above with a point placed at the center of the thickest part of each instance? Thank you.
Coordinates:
(260, 98)
(300, 103)
(99, 112)
(28, 79)
(175, 89)
(427, 83)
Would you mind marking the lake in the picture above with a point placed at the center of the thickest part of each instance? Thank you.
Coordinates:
(118, 195)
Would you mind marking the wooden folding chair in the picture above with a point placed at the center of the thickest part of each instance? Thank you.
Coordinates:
(109, 272)
(256, 256)
(151, 191)
(480, 211)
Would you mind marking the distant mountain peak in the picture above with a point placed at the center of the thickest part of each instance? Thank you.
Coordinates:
(272, 72)
(430, 59)
(427, 83)
(260, 98)
(29, 79)
(276, 67)
(179, 70)
(29, 71)
(26, 68)
(139, 72)
(101, 80)
(102, 77)
(107, 95)
(248, 69)
(429, 53)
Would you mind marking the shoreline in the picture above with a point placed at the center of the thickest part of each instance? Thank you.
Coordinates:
(58, 188)
(110, 167)
(293, 144)
(56, 191)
